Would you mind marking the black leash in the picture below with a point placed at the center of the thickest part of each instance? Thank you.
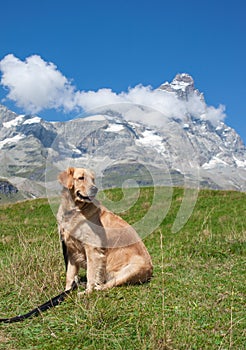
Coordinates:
(64, 251)
(47, 305)
(37, 311)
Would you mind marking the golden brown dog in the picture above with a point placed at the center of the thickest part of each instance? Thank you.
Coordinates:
(96, 239)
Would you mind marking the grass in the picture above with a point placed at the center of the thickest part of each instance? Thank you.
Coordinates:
(196, 299)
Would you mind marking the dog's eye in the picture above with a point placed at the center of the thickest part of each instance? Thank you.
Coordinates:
(81, 178)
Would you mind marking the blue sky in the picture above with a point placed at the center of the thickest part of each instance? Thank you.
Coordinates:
(120, 44)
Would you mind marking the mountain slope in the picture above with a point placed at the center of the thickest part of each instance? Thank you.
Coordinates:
(123, 142)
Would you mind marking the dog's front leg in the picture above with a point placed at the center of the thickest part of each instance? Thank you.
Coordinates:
(96, 267)
(72, 272)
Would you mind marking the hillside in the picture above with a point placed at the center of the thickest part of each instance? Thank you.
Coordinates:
(196, 299)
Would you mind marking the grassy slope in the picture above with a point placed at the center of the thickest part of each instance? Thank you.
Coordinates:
(196, 299)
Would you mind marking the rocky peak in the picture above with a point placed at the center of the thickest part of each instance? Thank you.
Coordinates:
(182, 85)
(182, 81)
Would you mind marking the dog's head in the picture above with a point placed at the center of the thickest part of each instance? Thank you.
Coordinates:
(80, 182)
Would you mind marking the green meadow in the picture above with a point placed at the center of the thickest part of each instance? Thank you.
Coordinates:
(195, 300)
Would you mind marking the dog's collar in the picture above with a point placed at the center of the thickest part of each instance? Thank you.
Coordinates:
(80, 209)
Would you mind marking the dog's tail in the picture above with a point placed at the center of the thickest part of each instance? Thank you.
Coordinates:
(48, 305)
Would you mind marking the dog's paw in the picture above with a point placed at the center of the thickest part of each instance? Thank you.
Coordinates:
(89, 289)
(98, 287)
(85, 292)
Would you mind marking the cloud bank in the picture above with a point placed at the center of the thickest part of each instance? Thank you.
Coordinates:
(35, 85)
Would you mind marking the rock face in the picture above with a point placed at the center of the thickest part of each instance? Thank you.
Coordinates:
(189, 151)
(7, 188)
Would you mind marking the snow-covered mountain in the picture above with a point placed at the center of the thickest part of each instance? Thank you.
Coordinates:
(120, 145)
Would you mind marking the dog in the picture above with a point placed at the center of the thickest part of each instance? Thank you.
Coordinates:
(96, 239)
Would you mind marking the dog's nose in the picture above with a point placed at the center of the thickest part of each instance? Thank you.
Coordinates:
(93, 190)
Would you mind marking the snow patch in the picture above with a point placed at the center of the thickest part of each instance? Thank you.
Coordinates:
(114, 128)
(74, 149)
(13, 139)
(134, 125)
(150, 139)
(240, 163)
(33, 120)
(220, 127)
(179, 84)
(213, 163)
(14, 122)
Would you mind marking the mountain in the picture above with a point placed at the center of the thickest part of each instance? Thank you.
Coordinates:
(123, 143)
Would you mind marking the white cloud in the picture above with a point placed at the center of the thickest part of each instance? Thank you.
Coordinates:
(95, 99)
(215, 114)
(166, 103)
(35, 85)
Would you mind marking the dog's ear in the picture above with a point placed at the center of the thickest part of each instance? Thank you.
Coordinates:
(66, 178)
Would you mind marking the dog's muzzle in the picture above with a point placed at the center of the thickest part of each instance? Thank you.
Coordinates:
(90, 195)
